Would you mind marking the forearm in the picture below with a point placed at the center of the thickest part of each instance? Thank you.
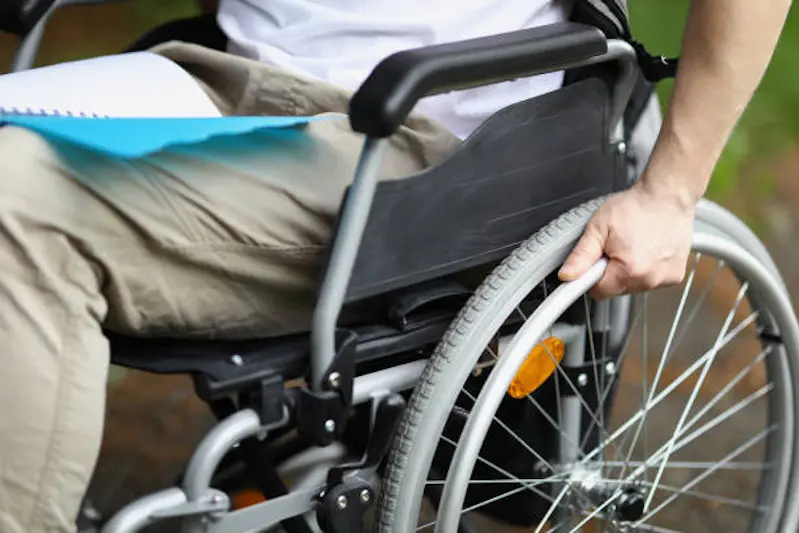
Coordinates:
(727, 47)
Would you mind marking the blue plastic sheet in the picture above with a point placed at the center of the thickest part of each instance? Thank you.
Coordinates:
(139, 137)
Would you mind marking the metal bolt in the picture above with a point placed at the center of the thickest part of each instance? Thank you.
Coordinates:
(334, 379)
(215, 499)
(330, 426)
(236, 359)
(582, 380)
(541, 468)
(341, 502)
(91, 513)
(622, 147)
(366, 496)
(610, 368)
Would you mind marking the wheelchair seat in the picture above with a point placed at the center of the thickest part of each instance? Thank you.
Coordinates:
(415, 317)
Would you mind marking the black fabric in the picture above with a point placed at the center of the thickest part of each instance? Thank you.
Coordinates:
(655, 68)
(639, 99)
(522, 168)
(20, 16)
(203, 30)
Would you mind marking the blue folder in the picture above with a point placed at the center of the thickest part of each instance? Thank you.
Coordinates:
(139, 137)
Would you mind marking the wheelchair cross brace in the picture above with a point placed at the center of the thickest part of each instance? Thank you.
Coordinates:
(209, 511)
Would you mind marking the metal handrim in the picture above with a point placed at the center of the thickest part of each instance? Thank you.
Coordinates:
(767, 292)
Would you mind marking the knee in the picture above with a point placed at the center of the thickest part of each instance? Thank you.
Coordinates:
(26, 159)
(20, 147)
(37, 184)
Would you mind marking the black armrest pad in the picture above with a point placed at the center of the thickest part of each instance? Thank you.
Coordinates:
(386, 98)
(20, 16)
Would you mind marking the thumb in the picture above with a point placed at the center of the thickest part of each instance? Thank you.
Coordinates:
(587, 252)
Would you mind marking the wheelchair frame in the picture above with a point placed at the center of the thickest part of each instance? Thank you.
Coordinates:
(28, 48)
(206, 510)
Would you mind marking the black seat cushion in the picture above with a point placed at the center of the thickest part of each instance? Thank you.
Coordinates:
(224, 367)
(410, 319)
(20, 16)
(217, 359)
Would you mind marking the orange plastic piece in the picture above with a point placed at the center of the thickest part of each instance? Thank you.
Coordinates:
(537, 368)
(246, 498)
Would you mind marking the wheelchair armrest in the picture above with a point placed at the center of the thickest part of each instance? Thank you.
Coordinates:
(20, 16)
(391, 91)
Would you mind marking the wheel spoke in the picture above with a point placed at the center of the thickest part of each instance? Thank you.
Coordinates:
(552, 508)
(698, 304)
(734, 381)
(476, 506)
(504, 472)
(655, 529)
(596, 511)
(689, 465)
(675, 322)
(701, 430)
(663, 358)
(548, 418)
(727, 388)
(577, 394)
(619, 364)
(592, 349)
(710, 497)
(671, 387)
(532, 482)
(516, 437)
(730, 456)
(690, 403)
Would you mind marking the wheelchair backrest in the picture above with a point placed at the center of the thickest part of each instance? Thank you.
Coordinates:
(526, 165)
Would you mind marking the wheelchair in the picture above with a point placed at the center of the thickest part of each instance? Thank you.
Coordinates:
(483, 392)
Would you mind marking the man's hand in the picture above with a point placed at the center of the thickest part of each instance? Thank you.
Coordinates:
(646, 231)
(646, 237)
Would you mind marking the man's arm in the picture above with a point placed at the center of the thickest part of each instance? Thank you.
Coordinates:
(726, 50)
(646, 231)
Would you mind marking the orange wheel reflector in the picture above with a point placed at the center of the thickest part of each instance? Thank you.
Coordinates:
(246, 498)
(537, 368)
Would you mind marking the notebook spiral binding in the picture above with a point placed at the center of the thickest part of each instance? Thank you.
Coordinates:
(33, 112)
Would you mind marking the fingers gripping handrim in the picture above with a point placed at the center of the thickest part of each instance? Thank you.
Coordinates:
(587, 251)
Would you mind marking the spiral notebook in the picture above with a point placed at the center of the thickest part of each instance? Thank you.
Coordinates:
(127, 105)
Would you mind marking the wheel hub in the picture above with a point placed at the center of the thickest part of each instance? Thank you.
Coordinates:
(630, 506)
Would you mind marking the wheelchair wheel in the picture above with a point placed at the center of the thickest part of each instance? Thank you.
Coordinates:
(673, 413)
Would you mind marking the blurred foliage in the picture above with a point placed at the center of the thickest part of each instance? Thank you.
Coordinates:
(770, 124)
(147, 13)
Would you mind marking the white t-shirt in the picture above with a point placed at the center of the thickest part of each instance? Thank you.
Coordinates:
(341, 41)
